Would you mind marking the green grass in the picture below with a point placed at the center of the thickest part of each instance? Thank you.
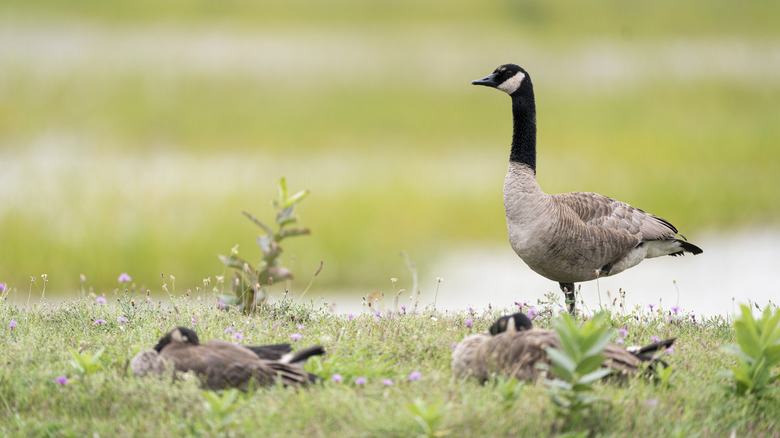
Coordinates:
(110, 402)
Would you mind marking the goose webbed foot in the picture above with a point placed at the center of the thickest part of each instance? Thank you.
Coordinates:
(568, 290)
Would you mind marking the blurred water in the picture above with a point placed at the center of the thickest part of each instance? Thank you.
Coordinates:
(736, 267)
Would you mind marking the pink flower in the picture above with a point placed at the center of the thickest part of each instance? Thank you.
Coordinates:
(670, 350)
(387, 382)
(238, 336)
(454, 345)
(61, 380)
(620, 340)
(193, 320)
(350, 316)
(414, 375)
(378, 314)
(122, 319)
(228, 330)
(651, 306)
(655, 339)
(469, 321)
(296, 336)
(12, 324)
(360, 381)
(337, 378)
(100, 300)
(623, 332)
(675, 309)
(2, 287)
(100, 321)
(124, 278)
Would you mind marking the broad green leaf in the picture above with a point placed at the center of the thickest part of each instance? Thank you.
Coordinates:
(561, 360)
(589, 364)
(595, 375)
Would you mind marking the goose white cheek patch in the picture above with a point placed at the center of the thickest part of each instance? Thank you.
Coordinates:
(511, 85)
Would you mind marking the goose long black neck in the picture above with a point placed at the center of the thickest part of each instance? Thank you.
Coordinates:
(524, 135)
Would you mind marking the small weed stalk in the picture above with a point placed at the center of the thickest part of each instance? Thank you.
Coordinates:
(428, 417)
(220, 409)
(577, 365)
(249, 285)
(86, 363)
(757, 352)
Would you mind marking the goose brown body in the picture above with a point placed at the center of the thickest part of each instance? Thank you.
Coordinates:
(222, 364)
(570, 237)
(521, 355)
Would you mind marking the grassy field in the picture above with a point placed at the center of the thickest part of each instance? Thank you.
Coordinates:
(42, 393)
(133, 135)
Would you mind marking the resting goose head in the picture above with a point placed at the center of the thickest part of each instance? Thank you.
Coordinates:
(514, 322)
(179, 335)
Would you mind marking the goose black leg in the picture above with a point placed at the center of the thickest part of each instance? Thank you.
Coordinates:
(568, 290)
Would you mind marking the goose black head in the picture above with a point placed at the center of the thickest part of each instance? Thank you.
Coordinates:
(518, 321)
(181, 335)
(508, 78)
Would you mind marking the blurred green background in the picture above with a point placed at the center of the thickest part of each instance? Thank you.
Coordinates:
(133, 134)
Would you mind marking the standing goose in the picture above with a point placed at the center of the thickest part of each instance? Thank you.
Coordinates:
(222, 364)
(513, 348)
(570, 237)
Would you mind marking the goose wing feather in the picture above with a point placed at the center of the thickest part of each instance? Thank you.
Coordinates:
(610, 214)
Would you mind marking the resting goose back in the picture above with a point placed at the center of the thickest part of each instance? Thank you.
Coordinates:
(570, 237)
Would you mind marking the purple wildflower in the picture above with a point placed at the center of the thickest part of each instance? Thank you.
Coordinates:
(301, 326)
(122, 319)
(2, 287)
(337, 378)
(360, 381)
(532, 312)
(454, 345)
(124, 278)
(296, 336)
(350, 316)
(651, 306)
(414, 375)
(675, 309)
(620, 340)
(238, 336)
(100, 300)
(655, 339)
(471, 311)
(670, 350)
(61, 380)
(652, 402)
(387, 382)
(221, 305)
(193, 320)
(228, 330)
(469, 321)
(623, 332)
(378, 314)
(12, 324)
(100, 321)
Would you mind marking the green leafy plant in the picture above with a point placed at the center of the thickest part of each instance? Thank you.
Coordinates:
(577, 364)
(86, 363)
(220, 409)
(510, 390)
(250, 282)
(757, 352)
(428, 417)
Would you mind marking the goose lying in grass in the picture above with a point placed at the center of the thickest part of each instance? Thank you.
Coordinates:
(570, 237)
(222, 364)
(513, 348)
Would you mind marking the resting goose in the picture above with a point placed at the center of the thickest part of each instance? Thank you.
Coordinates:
(512, 348)
(570, 237)
(222, 364)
